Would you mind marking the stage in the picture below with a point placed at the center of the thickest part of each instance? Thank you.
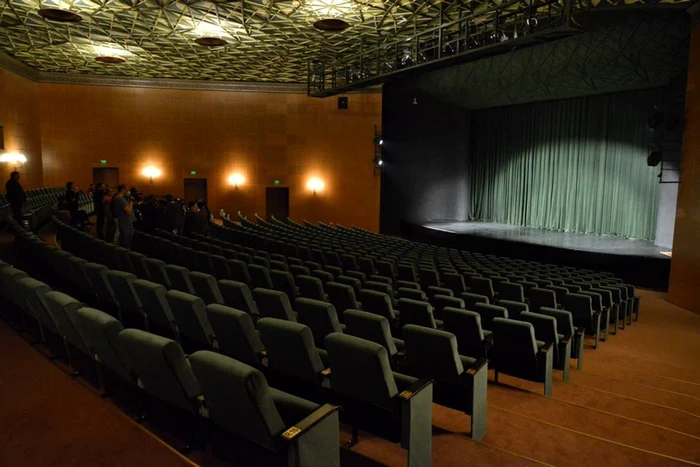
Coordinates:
(638, 262)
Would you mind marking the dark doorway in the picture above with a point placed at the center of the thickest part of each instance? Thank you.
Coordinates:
(108, 175)
(195, 189)
(277, 203)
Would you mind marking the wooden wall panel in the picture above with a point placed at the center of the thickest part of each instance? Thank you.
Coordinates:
(19, 117)
(685, 265)
(289, 137)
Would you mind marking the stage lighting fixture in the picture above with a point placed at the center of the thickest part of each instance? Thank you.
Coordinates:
(654, 158)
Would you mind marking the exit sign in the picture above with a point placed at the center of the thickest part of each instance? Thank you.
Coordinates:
(103, 161)
(277, 182)
(193, 172)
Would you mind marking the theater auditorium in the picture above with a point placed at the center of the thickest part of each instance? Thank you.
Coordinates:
(358, 233)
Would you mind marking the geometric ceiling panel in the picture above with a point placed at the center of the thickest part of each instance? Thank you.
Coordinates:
(267, 40)
(620, 51)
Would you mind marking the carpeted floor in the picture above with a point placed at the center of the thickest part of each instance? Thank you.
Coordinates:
(635, 402)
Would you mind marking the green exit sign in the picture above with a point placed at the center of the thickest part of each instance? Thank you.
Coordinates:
(277, 182)
(103, 161)
(193, 172)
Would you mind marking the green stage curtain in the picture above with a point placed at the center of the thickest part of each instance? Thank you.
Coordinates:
(573, 165)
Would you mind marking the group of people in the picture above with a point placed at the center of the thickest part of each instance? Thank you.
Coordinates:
(114, 212)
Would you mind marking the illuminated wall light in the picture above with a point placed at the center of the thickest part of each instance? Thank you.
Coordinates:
(14, 158)
(236, 179)
(151, 172)
(315, 184)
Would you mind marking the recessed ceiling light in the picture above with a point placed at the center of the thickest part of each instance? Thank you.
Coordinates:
(210, 41)
(331, 24)
(107, 59)
(61, 16)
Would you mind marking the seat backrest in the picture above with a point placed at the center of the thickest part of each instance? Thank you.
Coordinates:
(310, 287)
(273, 304)
(432, 353)
(320, 317)
(565, 322)
(8, 284)
(161, 366)
(361, 370)
(260, 276)
(323, 276)
(206, 288)
(63, 307)
(138, 261)
(291, 349)
(156, 268)
(342, 296)
(284, 282)
(237, 295)
(416, 312)
(440, 302)
(100, 332)
(510, 291)
(434, 291)
(179, 278)
(97, 274)
(413, 294)
(353, 282)
(238, 398)
(378, 303)
(371, 327)
(542, 298)
(191, 317)
(123, 285)
(155, 304)
(489, 312)
(428, 277)
(545, 326)
(235, 333)
(239, 271)
(514, 344)
(471, 299)
(298, 270)
(380, 287)
(34, 292)
(454, 282)
(514, 308)
(466, 326)
(580, 307)
(481, 286)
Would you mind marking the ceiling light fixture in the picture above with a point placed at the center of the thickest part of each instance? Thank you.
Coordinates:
(59, 16)
(210, 41)
(331, 25)
(331, 15)
(108, 59)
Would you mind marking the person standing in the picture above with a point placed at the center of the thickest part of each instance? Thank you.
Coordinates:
(123, 210)
(98, 201)
(15, 195)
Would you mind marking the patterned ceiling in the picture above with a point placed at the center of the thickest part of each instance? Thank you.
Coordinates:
(268, 40)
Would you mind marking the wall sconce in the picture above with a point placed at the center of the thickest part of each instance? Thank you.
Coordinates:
(151, 172)
(236, 179)
(315, 184)
(16, 159)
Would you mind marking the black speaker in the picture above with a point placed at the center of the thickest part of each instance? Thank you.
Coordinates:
(654, 159)
(343, 103)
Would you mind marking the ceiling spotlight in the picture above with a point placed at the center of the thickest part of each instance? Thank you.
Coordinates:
(60, 16)
(108, 59)
(210, 41)
(331, 25)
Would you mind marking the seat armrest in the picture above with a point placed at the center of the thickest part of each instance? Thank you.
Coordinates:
(477, 366)
(546, 348)
(414, 389)
(308, 422)
(565, 340)
(580, 332)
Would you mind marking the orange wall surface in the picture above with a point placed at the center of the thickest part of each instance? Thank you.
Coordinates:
(19, 117)
(265, 137)
(684, 285)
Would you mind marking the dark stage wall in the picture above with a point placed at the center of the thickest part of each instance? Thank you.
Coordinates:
(426, 148)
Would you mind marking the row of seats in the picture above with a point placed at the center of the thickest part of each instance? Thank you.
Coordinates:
(39, 206)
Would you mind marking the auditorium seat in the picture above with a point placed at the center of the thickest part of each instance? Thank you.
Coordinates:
(454, 282)
(440, 302)
(334, 271)
(546, 331)
(310, 287)
(407, 272)
(413, 294)
(220, 267)
(237, 295)
(542, 298)
(138, 262)
(284, 282)
(509, 291)
(278, 426)
(342, 297)
(514, 308)
(472, 340)
(155, 304)
(360, 276)
(236, 334)
(179, 277)
(132, 313)
(481, 286)
(378, 303)
(260, 277)
(460, 381)
(321, 317)
(432, 291)
(516, 352)
(471, 299)
(324, 276)
(391, 405)
(189, 312)
(156, 269)
(298, 270)
(353, 282)
(97, 274)
(418, 313)
(206, 288)
(581, 310)
(429, 278)
(374, 328)
(597, 307)
(34, 292)
(273, 304)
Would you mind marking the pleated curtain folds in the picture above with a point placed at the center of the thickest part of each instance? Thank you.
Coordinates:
(575, 165)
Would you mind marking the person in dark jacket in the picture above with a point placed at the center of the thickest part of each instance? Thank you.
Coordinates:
(15, 195)
(98, 200)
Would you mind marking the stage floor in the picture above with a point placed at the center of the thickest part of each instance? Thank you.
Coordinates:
(567, 240)
(637, 262)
